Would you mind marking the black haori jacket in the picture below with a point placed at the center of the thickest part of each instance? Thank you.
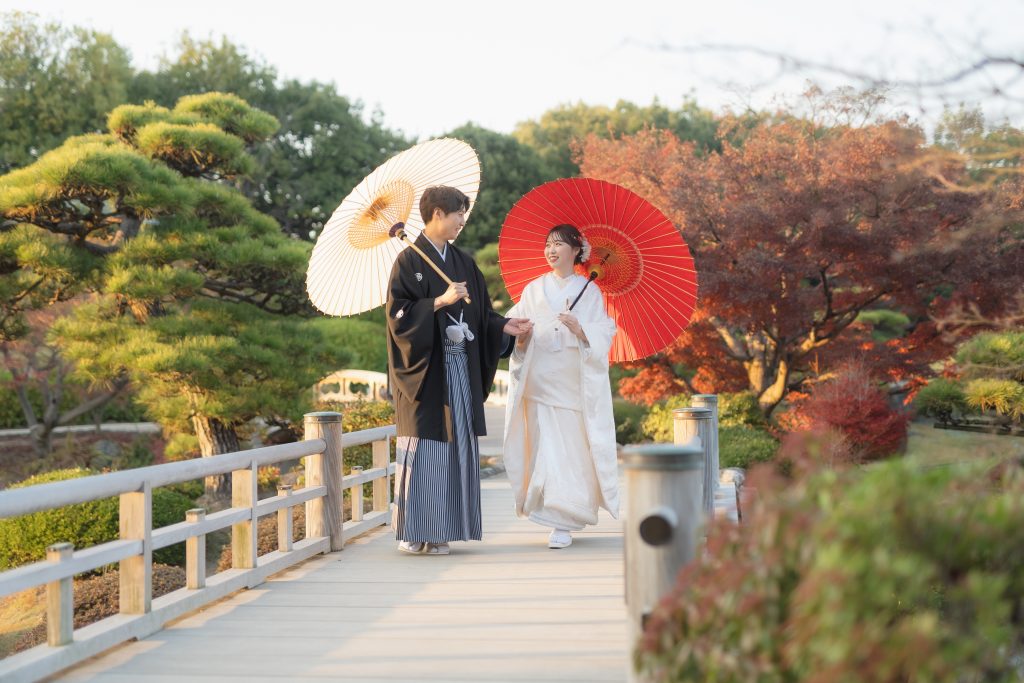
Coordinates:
(416, 335)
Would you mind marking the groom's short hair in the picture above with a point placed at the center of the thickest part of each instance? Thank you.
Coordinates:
(442, 197)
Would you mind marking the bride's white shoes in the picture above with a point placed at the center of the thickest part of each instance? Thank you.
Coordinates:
(559, 538)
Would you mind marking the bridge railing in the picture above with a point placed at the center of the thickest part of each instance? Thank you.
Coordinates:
(140, 614)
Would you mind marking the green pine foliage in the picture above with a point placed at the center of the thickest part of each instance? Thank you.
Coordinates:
(994, 363)
(126, 120)
(993, 354)
(1003, 396)
(231, 362)
(364, 341)
(196, 296)
(175, 145)
(231, 114)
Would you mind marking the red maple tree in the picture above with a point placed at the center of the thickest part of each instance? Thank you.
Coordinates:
(796, 229)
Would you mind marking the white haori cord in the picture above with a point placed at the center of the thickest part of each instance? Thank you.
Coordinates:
(458, 330)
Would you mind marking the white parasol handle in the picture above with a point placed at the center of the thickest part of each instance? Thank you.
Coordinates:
(398, 230)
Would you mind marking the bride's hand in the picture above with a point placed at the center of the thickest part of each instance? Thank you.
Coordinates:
(571, 323)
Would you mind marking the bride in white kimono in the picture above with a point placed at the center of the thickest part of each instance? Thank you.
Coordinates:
(559, 450)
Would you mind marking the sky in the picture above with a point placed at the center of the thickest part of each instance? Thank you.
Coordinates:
(432, 66)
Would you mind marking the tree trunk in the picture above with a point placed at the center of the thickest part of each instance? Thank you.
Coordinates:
(768, 371)
(42, 430)
(216, 437)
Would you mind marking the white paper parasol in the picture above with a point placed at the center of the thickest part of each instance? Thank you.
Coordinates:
(352, 259)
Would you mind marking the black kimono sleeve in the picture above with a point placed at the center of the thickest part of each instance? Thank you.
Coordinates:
(411, 326)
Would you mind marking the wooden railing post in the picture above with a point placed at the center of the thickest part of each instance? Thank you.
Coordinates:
(243, 534)
(323, 515)
(686, 424)
(662, 522)
(381, 487)
(710, 401)
(195, 552)
(136, 572)
(60, 600)
(284, 522)
(356, 497)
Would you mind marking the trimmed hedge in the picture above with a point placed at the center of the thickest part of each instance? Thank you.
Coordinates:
(942, 399)
(629, 418)
(24, 539)
(357, 416)
(743, 446)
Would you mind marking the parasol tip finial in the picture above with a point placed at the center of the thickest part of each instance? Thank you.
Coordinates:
(397, 230)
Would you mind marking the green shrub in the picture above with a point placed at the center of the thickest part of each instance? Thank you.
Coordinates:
(733, 410)
(11, 415)
(1004, 396)
(740, 408)
(357, 416)
(743, 446)
(658, 423)
(629, 418)
(24, 539)
(886, 573)
(121, 409)
(941, 399)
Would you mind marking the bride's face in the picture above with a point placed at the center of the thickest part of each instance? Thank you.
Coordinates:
(560, 255)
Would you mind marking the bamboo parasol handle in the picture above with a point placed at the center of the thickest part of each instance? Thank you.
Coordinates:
(593, 276)
(398, 230)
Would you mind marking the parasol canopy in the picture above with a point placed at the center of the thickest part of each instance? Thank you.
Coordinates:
(352, 259)
(638, 258)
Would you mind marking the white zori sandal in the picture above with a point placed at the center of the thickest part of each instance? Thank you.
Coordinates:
(411, 547)
(437, 549)
(559, 538)
(423, 548)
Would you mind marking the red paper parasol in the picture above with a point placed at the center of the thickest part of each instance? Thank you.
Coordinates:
(643, 266)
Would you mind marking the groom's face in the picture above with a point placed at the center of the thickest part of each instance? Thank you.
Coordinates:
(450, 224)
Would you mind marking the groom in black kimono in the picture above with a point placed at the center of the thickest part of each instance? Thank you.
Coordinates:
(442, 357)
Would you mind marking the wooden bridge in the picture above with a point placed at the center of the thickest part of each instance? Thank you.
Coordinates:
(341, 604)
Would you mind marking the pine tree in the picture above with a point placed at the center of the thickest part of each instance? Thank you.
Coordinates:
(181, 285)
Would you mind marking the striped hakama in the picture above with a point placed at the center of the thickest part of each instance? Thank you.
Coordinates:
(437, 484)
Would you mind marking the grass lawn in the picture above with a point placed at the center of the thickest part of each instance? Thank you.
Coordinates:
(949, 445)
